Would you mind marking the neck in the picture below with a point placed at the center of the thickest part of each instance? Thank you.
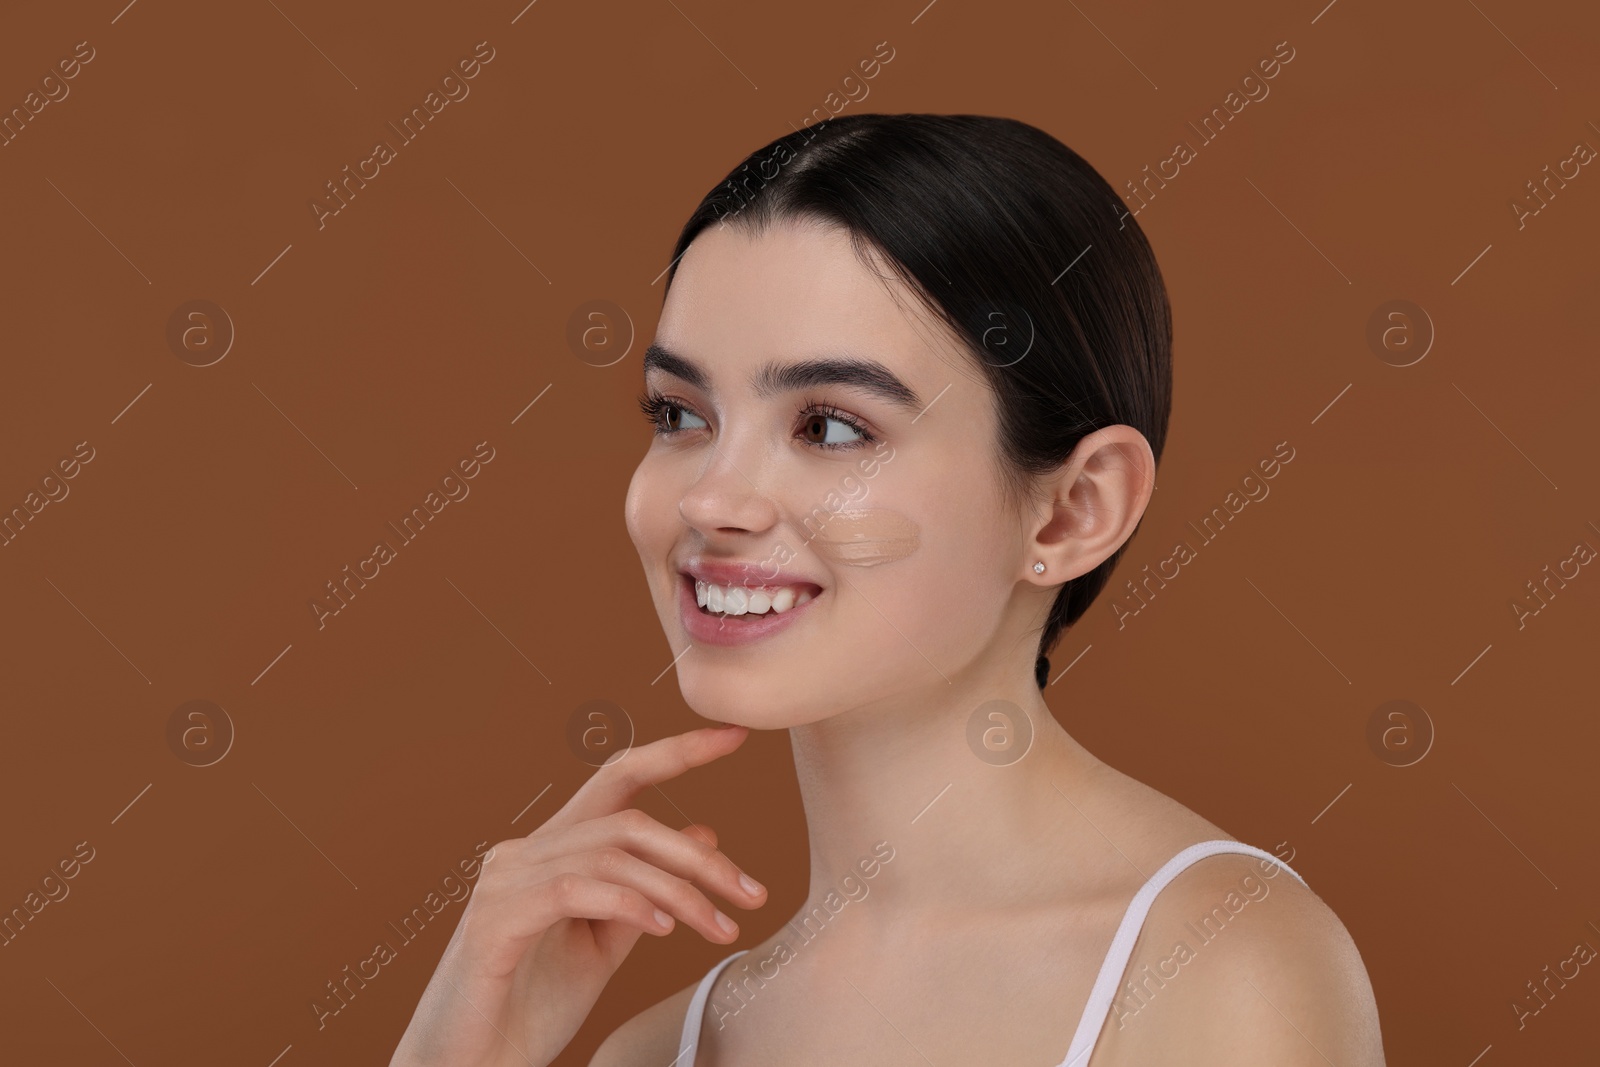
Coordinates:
(967, 833)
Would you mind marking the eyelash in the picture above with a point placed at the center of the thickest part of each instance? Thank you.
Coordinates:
(655, 406)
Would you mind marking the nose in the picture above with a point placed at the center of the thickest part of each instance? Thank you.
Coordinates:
(728, 496)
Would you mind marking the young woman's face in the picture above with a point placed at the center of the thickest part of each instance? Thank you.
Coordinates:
(828, 444)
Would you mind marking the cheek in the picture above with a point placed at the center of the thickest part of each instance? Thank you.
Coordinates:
(647, 511)
(956, 586)
(957, 582)
(632, 506)
(867, 537)
(947, 592)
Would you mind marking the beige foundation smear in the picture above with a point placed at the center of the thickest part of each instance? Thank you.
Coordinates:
(865, 537)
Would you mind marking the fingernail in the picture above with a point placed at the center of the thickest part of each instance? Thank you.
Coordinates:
(751, 886)
(663, 919)
(727, 924)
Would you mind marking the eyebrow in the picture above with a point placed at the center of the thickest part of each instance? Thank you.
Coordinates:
(773, 378)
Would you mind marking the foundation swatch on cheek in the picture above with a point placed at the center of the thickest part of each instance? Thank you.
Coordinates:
(866, 537)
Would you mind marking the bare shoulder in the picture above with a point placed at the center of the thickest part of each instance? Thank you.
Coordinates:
(1237, 961)
(1241, 962)
(649, 1038)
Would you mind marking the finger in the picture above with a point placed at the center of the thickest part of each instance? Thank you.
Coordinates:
(676, 896)
(677, 853)
(612, 787)
(569, 894)
(700, 832)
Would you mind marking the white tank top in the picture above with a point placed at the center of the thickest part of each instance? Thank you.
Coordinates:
(1105, 984)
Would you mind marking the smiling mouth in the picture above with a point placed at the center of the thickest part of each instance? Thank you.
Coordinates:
(738, 602)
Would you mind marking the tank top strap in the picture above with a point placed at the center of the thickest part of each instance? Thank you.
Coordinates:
(689, 1043)
(1121, 950)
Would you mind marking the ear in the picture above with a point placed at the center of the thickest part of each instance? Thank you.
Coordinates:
(1096, 499)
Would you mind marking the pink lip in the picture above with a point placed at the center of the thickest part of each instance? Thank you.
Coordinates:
(738, 629)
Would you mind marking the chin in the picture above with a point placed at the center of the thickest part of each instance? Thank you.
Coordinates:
(739, 695)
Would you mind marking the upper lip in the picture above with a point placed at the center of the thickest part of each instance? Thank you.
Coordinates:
(750, 573)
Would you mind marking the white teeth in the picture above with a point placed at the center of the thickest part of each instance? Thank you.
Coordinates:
(739, 600)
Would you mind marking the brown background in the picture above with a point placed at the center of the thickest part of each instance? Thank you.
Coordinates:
(373, 754)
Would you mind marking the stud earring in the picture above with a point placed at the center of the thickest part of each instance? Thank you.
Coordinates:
(1038, 568)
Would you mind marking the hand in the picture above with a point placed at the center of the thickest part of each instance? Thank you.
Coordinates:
(555, 913)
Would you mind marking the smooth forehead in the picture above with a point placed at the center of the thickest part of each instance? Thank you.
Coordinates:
(739, 299)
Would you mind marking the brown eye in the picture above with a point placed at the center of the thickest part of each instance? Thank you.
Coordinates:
(827, 428)
(668, 416)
